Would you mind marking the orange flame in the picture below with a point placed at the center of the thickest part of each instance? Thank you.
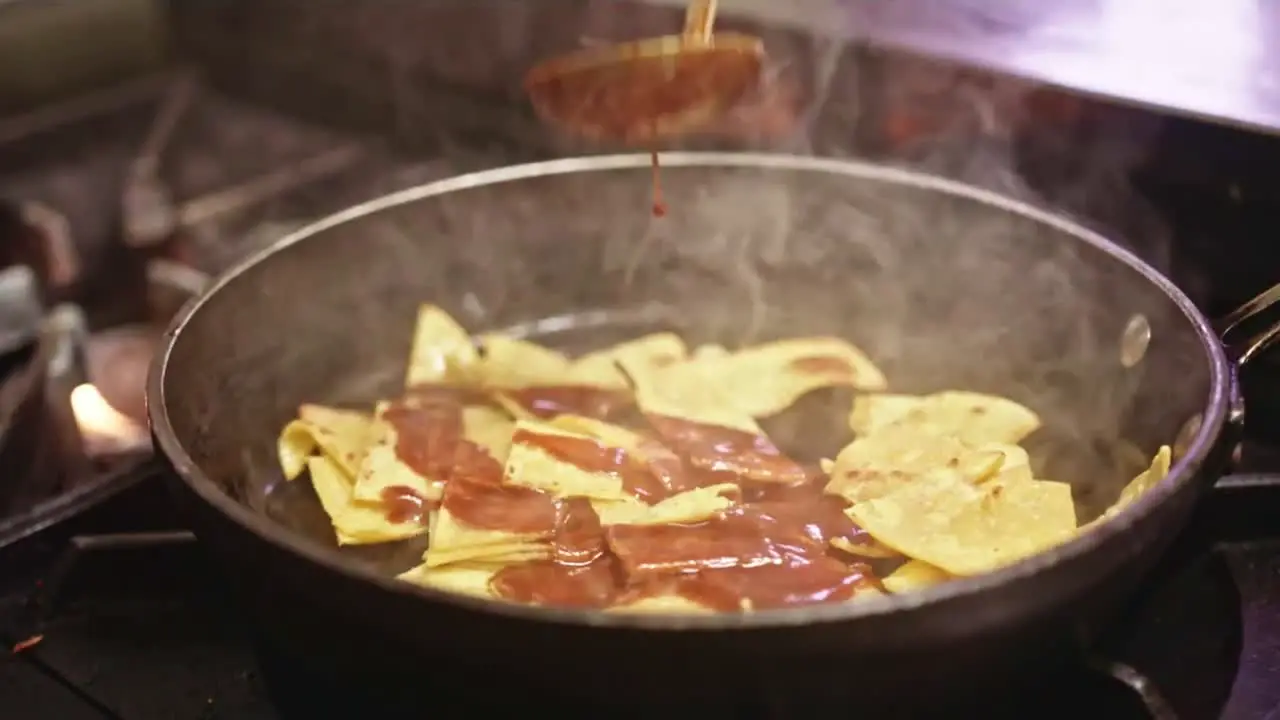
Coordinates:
(104, 429)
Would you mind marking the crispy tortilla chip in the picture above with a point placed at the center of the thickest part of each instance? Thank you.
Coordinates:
(510, 363)
(687, 507)
(534, 463)
(382, 467)
(876, 465)
(600, 368)
(343, 435)
(914, 575)
(465, 578)
(354, 523)
(766, 379)
(1145, 480)
(662, 605)
(515, 524)
(965, 529)
(687, 391)
(973, 418)
(489, 428)
(442, 350)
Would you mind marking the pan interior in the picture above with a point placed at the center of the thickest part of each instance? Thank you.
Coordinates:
(943, 289)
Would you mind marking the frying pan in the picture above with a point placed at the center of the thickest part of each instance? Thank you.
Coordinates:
(945, 285)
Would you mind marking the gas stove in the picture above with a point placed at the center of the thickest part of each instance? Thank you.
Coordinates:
(122, 207)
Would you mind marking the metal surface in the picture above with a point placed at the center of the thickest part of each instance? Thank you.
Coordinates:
(1219, 61)
(690, 277)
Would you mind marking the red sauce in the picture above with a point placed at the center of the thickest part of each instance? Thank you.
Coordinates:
(740, 537)
(547, 402)
(797, 580)
(427, 434)
(721, 449)
(489, 506)
(404, 504)
(580, 573)
(636, 101)
(547, 582)
(579, 539)
(772, 551)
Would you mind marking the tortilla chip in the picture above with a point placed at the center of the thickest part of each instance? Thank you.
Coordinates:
(354, 523)
(973, 418)
(506, 362)
(687, 391)
(710, 352)
(662, 605)
(600, 368)
(1145, 480)
(532, 464)
(466, 578)
(687, 507)
(442, 351)
(875, 465)
(914, 575)
(531, 515)
(947, 521)
(382, 467)
(766, 379)
(489, 428)
(343, 435)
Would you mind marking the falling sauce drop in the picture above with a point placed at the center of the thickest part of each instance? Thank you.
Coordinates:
(659, 207)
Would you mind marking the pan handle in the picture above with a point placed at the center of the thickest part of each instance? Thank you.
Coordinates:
(1238, 321)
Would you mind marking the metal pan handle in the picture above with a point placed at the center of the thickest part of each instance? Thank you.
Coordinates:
(1235, 323)
(1246, 333)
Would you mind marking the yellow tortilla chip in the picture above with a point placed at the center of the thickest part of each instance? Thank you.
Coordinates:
(710, 352)
(688, 391)
(690, 506)
(1145, 480)
(967, 529)
(442, 351)
(600, 368)
(662, 605)
(490, 428)
(532, 515)
(510, 363)
(466, 578)
(973, 418)
(608, 433)
(343, 435)
(382, 467)
(878, 464)
(766, 379)
(354, 523)
(914, 575)
(531, 465)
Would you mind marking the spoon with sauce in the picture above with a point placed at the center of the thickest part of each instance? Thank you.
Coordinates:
(644, 92)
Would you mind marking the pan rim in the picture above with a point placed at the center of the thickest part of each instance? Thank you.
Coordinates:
(1214, 414)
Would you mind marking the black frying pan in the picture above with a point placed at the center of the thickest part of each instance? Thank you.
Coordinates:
(946, 286)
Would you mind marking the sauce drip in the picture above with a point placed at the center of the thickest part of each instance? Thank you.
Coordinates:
(547, 401)
(659, 207)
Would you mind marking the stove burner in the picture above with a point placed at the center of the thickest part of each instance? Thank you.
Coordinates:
(118, 360)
